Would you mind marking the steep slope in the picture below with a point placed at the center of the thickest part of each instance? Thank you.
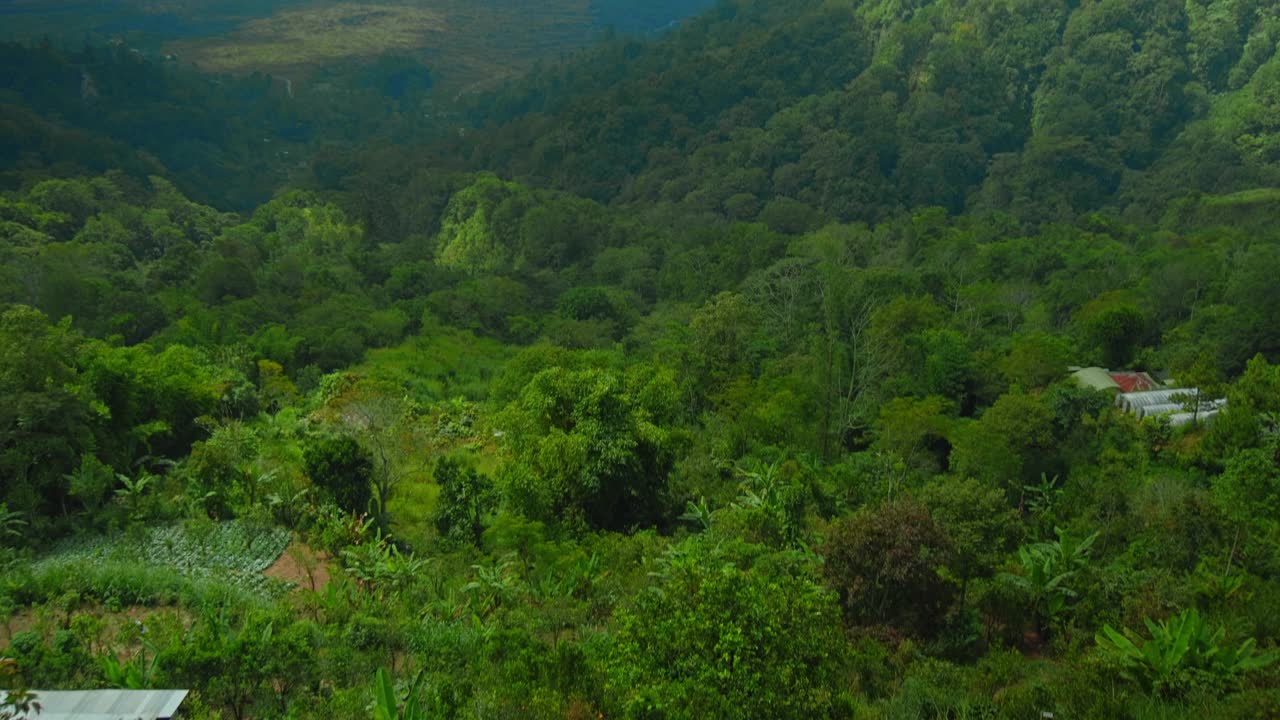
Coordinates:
(857, 110)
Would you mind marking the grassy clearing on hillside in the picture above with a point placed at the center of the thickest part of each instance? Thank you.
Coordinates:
(445, 370)
(441, 364)
(464, 42)
(318, 35)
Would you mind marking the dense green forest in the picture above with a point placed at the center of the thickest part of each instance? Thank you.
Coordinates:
(722, 373)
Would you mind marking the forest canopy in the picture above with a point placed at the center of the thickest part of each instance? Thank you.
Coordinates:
(774, 365)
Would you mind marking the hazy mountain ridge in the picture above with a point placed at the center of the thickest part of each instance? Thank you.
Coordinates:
(857, 109)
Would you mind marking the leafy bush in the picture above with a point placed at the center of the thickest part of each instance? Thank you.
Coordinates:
(716, 640)
(884, 561)
(1183, 653)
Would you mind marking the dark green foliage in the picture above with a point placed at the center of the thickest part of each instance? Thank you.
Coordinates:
(1045, 110)
(343, 469)
(885, 563)
(44, 425)
(466, 497)
(761, 329)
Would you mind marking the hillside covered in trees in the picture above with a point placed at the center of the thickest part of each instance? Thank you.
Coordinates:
(719, 373)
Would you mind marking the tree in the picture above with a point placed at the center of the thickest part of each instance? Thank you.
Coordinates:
(914, 431)
(259, 662)
(721, 636)
(465, 498)
(1248, 492)
(343, 469)
(885, 563)
(389, 428)
(45, 419)
(1113, 331)
(722, 350)
(478, 230)
(1047, 571)
(979, 523)
(590, 446)
(1010, 445)
(1036, 360)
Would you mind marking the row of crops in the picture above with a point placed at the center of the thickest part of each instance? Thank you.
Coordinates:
(232, 552)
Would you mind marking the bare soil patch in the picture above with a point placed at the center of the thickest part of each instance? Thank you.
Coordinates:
(303, 567)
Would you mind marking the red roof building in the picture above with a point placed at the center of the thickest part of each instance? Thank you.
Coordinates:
(1134, 381)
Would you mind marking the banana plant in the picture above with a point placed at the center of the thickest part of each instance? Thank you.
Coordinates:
(698, 513)
(1041, 500)
(381, 568)
(18, 702)
(132, 674)
(1182, 651)
(494, 585)
(764, 490)
(132, 491)
(1047, 570)
(386, 701)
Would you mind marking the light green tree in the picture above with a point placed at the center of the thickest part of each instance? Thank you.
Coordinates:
(729, 637)
(1047, 572)
(1183, 653)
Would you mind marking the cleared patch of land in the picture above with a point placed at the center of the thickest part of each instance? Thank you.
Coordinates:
(300, 37)
(464, 42)
(301, 567)
(230, 553)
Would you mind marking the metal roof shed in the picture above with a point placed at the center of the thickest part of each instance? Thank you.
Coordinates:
(1187, 418)
(1132, 402)
(1096, 378)
(1134, 381)
(107, 704)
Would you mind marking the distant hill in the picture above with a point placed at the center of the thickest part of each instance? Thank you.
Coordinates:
(631, 16)
(859, 110)
(466, 42)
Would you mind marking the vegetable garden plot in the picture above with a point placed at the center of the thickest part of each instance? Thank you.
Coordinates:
(230, 552)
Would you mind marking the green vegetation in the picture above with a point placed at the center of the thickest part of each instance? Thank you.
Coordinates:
(229, 553)
(723, 373)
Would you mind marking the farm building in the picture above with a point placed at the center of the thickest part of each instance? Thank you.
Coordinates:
(1112, 381)
(1182, 406)
(1131, 382)
(1096, 378)
(1137, 393)
(107, 704)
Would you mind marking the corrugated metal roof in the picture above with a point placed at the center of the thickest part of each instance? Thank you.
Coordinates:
(107, 704)
(1161, 409)
(1186, 418)
(1096, 378)
(1130, 402)
(1134, 381)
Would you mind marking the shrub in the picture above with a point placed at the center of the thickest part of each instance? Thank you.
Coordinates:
(1183, 653)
